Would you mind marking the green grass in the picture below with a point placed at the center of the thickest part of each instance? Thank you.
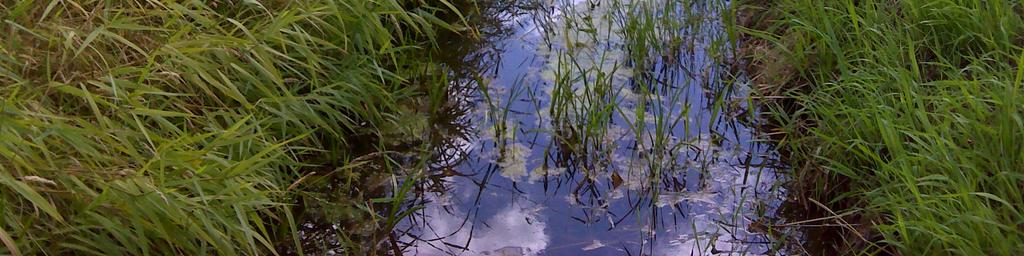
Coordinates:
(915, 108)
(609, 53)
(183, 127)
(633, 66)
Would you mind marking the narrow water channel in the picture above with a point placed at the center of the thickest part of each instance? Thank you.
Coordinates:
(601, 127)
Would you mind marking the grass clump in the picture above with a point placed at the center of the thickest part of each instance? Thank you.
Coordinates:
(182, 127)
(912, 112)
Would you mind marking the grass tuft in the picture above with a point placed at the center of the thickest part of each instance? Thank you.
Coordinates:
(911, 110)
(140, 127)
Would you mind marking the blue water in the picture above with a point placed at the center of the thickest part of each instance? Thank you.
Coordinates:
(528, 192)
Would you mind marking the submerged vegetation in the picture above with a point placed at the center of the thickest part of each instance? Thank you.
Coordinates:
(903, 118)
(198, 127)
(610, 128)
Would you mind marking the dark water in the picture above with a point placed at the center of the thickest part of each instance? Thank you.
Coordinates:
(653, 154)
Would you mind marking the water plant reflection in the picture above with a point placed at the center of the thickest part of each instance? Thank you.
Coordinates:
(592, 136)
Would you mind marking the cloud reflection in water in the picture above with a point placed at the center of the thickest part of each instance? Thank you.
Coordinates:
(513, 230)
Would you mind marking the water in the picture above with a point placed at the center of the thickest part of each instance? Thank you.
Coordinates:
(599, 127)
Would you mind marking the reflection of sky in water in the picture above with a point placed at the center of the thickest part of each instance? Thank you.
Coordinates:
(515, 228)
(713, 179)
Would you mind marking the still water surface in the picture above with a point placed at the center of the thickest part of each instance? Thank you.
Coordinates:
(576, 143)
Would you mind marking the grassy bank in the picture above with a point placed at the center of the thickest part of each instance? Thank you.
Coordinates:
(904, 117)
(192, 127)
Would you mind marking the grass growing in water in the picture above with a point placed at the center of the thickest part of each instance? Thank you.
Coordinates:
(133, 127)
(913, 112)
(618, 83)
